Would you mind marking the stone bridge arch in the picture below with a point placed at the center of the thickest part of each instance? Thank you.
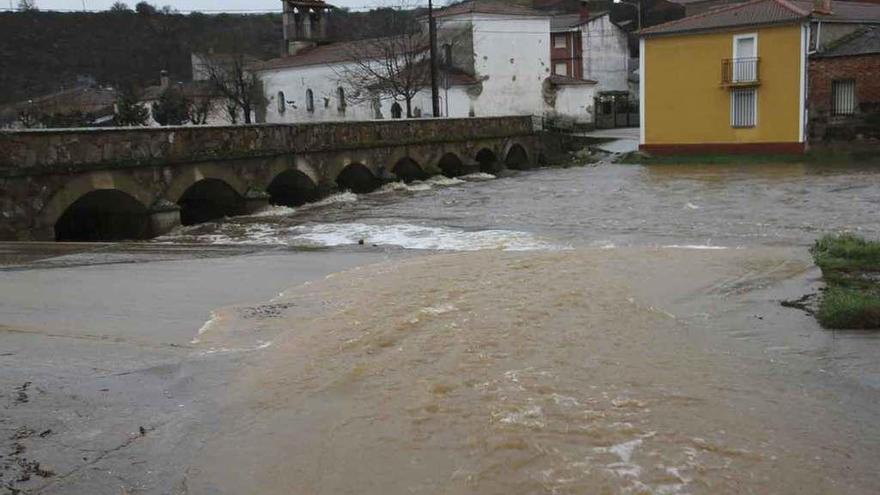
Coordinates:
(516, 155)
(292, 187)
(79, 187)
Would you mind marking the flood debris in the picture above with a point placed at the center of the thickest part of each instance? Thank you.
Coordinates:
(263, 311)
(806, 303)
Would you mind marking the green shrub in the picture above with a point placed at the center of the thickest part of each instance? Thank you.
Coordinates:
(845, 308)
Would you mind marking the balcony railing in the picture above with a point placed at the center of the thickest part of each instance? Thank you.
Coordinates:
(740, 71)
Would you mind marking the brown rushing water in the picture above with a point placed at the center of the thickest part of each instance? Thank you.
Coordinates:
(629, 370)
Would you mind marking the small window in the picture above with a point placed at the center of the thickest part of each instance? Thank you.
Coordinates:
(744, 107)
(310, 101)
(282, 105)
(559, 41)
(560, 68)
(447, 55)
(843, 97)
(340, 97)
(396, 111)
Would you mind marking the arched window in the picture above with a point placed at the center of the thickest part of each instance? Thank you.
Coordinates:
(340, 96)
(310, 101)
(396, 111)
(282, 105)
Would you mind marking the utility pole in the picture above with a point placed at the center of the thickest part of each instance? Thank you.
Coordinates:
(432, 39)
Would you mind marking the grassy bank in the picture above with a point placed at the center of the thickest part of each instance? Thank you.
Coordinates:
(851, 269)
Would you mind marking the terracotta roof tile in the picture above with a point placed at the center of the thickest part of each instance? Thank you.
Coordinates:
(743, 14)
(761, 12)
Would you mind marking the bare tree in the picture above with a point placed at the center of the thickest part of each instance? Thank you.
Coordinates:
(200, 109)
(27, 6)
(241, 89)
(395, 66)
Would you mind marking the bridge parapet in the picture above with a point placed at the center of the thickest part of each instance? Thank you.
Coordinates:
(33, 152)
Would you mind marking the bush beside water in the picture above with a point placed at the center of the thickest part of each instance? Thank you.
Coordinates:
(851, 269)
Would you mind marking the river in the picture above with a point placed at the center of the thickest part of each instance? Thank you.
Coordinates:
(605, 329)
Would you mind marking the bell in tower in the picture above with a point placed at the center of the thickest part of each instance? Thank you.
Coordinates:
(305, 24)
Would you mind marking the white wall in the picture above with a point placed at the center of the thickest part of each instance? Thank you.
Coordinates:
(513, 54)
(573, 103)
(511, 58)
(323, 80)
(606, 54)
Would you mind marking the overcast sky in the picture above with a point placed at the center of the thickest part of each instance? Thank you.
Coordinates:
(208, 6)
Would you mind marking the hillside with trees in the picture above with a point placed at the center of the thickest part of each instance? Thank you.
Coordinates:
(42, 52)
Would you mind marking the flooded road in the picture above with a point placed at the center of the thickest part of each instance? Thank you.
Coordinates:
(586, 371)
(609, 329)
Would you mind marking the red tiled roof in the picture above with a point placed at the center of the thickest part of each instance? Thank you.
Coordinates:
(763, 12)
(743, 14)
(488, 7)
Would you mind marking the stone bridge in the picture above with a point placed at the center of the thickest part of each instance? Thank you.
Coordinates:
(136, 183)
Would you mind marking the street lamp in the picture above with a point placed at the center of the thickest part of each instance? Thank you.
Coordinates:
(637, 4)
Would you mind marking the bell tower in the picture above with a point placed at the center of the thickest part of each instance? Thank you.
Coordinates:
(305, 24)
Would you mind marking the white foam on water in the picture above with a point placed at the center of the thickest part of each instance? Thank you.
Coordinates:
(205, 327)
(234, 350)
(343, 197)
(442, 180)
(398, 186)
(410, 236)
(691, 206)
(478, 176)
(438, 310)
(274, 211)
(531, 416)
(692, 246)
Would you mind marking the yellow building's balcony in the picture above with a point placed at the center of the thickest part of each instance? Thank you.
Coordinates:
(740, 72)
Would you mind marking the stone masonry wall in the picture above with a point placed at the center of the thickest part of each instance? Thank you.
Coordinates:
(865, 70)
(52, 151)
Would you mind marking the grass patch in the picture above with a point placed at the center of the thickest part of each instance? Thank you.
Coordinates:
(851, 268)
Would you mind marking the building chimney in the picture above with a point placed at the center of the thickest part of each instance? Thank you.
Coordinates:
(164, 80)
(822, 7)
(584, 11)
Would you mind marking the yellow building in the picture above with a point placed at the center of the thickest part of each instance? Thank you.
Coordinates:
(731, 80)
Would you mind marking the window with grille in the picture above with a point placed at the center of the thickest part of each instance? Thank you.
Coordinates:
(843, 97)
(744, 107)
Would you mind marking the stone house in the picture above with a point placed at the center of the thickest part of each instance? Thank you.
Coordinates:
(844, 100)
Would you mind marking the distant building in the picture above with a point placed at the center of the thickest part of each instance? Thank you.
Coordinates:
(495, 59)
(81, 106)
(735, 79)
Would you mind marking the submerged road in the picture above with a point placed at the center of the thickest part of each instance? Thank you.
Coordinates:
(637, 344)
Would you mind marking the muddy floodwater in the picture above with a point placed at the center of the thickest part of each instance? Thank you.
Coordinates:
(609, 329)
